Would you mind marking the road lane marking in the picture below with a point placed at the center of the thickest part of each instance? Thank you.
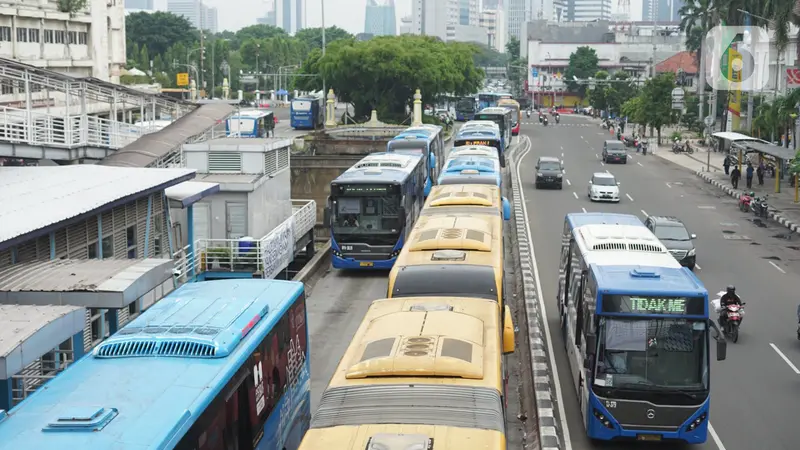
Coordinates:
(715, 437)
(668, 185)
(637, 162)
(629, 197)
(545, 324)
(575, 194)
(582, 138)
(602, 163)
(568, 183)
(777, 266)
(562, 153)
(562, 148)
(697, 266)
(785, 359)
(645, 213)
(597, 156)
(584, 209)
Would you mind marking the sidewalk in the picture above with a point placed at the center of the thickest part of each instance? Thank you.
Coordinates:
(782, 208)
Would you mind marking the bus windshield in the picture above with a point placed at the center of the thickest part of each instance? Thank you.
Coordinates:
(466, 105)
(411, 146)
(652, 354)
(514, 115)
(500, 120)
(369, 214)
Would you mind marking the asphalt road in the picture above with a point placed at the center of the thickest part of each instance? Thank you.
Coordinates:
(754, 391)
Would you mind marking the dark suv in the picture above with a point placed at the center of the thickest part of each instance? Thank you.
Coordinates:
(614, 151)
(549, 172)
(672, 233)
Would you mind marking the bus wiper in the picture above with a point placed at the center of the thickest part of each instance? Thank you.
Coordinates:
(650, 387)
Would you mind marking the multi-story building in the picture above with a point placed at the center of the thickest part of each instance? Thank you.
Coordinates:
(588, 10)
(494, 21)
(143, 5)
(467, 33)
(665, 10)
(380, 19)
(210, 19)
(86, 42)
(468, 12)
(198, 14)
(406, 25)
(431, 17)
(518, 12)
(289, 15)
(268, 19)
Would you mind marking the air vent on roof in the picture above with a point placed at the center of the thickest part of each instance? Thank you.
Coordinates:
(386, 441)
(449, 255)
(224, 162)
(417, 346)
(431, 307)
(452, 233)
(89, 419)
(373, 171)
(163, 341)
(452, 239)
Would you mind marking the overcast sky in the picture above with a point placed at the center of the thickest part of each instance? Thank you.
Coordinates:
(347, 14)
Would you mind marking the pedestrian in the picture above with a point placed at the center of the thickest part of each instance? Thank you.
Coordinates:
(726, 164)
(749, 173)
(760, 173)
(735, 175)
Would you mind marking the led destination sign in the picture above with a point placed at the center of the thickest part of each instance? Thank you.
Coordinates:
(694, 306)
(486, 143)
(365, 189)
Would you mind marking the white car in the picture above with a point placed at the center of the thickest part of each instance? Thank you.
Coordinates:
(603, 187)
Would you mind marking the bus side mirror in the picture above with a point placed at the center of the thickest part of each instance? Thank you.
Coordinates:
(433, 161)
(506, 209)
(508, 331)
(591, 344)
(327, 217)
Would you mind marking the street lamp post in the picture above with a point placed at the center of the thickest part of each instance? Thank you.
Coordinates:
(324, 44)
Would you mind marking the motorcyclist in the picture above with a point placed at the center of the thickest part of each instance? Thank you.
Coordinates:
(545, 121)
(729, 298)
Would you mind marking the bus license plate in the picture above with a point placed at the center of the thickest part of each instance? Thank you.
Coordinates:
(648, 437)
(367, 264)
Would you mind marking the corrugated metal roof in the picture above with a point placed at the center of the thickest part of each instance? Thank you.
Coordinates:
(148, 148)
(190, 192)
(95, 283)
(34, 198)
(50, 324)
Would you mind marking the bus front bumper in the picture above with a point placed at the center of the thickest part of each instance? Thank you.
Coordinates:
(343, 262)
(602, 425)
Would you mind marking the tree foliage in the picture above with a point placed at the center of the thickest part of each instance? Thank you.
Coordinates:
(611, 95)
(312, 37)
(653, 105)
(486, 56)
(517, 67)
(158, 31)
(383, 73)
(583, 64)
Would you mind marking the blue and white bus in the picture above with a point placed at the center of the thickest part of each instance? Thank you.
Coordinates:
(215, 364)
(637, 332)
(490, 99)
(465, 167)
(307, 113)
(466, 107)
(372, 209)
(425, 140)
(485, 137)
(503, 117)
(250, 124)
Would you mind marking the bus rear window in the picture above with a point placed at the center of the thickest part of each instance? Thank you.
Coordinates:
(410, 146)
(456, 280)
(301, 105)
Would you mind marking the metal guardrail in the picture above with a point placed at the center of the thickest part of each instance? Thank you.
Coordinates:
(58, 131)
(235, 255)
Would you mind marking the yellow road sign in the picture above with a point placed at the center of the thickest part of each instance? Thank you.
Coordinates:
(183, 79)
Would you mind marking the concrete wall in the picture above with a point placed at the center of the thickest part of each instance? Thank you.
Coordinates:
(312, 176)
(269, 204)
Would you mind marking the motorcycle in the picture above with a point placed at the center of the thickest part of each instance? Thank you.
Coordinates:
(678, 148)
(629, 141)
(528, 113)
(759, 206)
(732, 320)
(545, 121)
(558, 119)
(745, 198)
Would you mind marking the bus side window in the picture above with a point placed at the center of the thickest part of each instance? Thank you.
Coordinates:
(579, 320)
(564, 273)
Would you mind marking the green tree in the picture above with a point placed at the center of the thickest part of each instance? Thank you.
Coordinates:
(486, 56)
(259, 32)
(144, 58)
(158, 31)
(583, 64)
(597, 96)
(383, 73)
(312, 37)
(517, 67)
(656, 98)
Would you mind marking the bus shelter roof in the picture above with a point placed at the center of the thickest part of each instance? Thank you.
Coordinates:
(775, 151)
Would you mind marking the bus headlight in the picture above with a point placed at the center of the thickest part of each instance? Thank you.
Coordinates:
(692, 252)
(559, 175)
(538, 174)
(696, 422)
(603, 419)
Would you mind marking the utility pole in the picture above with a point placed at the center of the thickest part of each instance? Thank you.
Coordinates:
(202, 60)
(213, 70)
(322, 4)
(701, 85)
(654, 14)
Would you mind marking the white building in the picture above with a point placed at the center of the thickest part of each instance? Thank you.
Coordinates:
(518, 12)
(467, 33)
(90, 42)
(431, 17)
(588, 10)
(494, 21)
(197, 13)
(406, 25)
(467, 12)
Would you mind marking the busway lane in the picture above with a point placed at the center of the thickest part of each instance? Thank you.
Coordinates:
(546, 211)
(756, 381)
(336, 306)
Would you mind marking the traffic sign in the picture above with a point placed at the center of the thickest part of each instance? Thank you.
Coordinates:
(677, 105)
(182, 79)
(708, 121)
(534, 72)
(677, 93)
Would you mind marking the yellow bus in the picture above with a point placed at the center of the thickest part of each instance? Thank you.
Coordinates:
(419, 370)
(516, 117)
(466, 198)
